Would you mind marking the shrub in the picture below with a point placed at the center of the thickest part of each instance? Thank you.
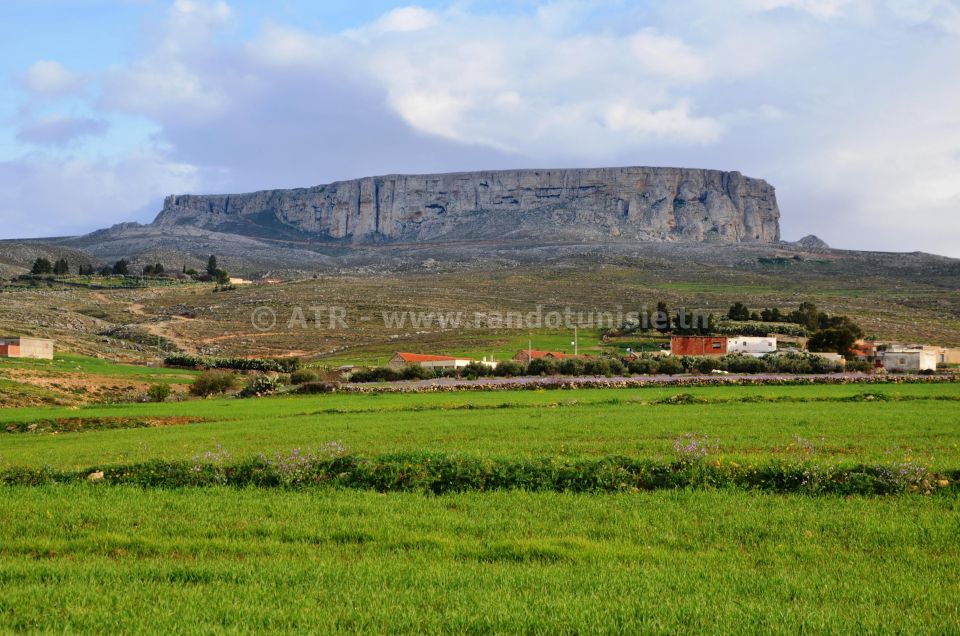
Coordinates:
(276, 365)
(213, 383)
(377, 374)
(510, 369)
(261, 385)
(302, 376)
(858, 366)
(573, 366)
(669, 365)
(473, 370)
(417, 372)
(158, 392)
(643, 366)
(744, 364)
(544, 366)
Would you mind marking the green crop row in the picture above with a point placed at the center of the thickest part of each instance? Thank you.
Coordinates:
(440, 474)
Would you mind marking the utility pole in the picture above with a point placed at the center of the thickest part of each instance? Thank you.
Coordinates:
(576, 346)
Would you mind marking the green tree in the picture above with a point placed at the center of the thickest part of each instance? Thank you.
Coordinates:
(738, 311)
(41, 266)
(212, 265)
(121, 268)
(806, 315)
(833, 340)
(61, 267)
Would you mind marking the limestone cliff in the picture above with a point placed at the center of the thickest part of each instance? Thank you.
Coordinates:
(669, 204)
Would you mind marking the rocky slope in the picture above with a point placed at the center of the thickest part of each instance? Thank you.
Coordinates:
(659, 204)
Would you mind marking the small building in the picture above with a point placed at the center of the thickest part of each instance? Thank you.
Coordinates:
(24, 347)
(751, 345)
(698, 345)
(240, 281)
(909, 360)
(403, 359)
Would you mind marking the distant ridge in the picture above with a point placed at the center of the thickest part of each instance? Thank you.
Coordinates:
(631, 203)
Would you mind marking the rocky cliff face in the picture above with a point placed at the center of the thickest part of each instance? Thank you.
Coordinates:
(668, 204)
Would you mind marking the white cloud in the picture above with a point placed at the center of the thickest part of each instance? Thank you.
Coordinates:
(824, 9)
(59, 130)
(43, 195)
(406, 19)
(50, 78)
(843, 105)
(673, 123)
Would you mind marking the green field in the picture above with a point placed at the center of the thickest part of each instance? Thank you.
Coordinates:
(832, 423)
(108, 558)
(79, 364)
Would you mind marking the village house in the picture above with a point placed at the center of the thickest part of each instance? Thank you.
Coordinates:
(903, 359)
(403, 359)
(698, 345)
(24, 347)
(752, 346)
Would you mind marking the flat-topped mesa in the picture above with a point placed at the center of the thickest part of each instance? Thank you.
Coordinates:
(662, 204)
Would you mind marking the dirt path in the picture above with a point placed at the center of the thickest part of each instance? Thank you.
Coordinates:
(161, 328)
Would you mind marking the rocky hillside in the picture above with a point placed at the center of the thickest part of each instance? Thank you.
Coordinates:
(658, 204)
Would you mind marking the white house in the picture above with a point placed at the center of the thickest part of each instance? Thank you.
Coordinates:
(403, 359)
(909, 360)
(752, 345)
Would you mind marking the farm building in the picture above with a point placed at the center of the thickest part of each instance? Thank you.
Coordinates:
(22, 347)
(403, 359)
(752, 346)
(909, 360)
(527, 355)
(698, 345)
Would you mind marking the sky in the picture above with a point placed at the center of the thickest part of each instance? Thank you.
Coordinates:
(850, 108)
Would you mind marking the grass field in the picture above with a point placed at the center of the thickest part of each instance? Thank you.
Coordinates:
(747, 423)
(108, 558)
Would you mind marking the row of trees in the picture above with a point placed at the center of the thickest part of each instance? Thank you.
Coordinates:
(806, 314)
(43, 267)
(832, 334)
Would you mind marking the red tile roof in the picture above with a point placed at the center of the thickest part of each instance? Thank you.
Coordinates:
(537, 353)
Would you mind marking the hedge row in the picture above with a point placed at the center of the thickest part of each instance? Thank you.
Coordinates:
(432, 473)
(279, 365)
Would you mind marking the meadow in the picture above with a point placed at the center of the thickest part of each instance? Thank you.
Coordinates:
(97, 556)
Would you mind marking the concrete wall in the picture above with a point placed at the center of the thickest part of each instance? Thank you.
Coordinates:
(752, 345)
(917, 360)
(698, 346)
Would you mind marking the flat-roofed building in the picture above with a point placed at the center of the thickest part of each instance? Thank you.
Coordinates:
(755, 346)
(25, 347)
(698, 345)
